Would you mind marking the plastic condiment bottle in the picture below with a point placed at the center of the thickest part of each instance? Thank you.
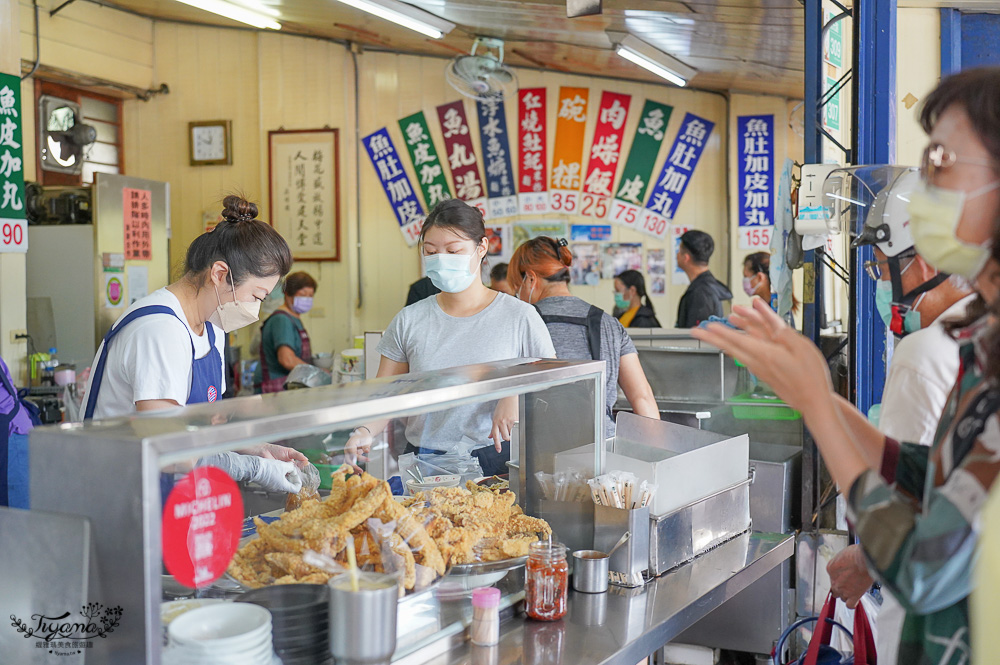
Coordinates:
(485, 629)
(546, 581)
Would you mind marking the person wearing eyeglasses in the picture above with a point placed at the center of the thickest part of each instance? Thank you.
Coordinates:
(915, 301)
(918, 511)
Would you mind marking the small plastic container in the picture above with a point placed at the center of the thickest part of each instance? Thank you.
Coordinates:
(546, 581)
(485, 630)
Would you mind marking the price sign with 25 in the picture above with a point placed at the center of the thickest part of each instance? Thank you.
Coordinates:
(13, 235)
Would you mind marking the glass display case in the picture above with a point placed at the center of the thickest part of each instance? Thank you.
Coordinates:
(121, 474)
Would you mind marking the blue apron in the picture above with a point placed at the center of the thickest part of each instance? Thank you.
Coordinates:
(18, 471)
(206, 372)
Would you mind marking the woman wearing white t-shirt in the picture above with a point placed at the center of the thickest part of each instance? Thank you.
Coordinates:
(166, 350)
(465, 324)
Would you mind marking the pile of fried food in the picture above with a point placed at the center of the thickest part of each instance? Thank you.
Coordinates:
(421, 536)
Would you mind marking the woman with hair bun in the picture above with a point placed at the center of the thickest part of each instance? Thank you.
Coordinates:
(166, 350)
(539, 274)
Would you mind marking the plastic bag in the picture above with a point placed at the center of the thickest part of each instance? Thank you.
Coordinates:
(310, 488)
(307, 376)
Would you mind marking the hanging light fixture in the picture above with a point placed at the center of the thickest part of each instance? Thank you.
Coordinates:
(258, 18)
(405, 15)
(654, 60)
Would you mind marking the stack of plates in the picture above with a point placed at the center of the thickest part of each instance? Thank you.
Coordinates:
(222, 634)
(300, 616)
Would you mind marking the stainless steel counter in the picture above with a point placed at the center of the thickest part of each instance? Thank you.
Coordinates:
(622, 626)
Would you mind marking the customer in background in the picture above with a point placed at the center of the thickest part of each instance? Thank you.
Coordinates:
(539, 271)
(420, 289)
(757, 278)
(284, 342)
(705, 294)
(498, 279)
(467, 323)
(921, 375)
(15, 423)
(632, 303)
(917, 510)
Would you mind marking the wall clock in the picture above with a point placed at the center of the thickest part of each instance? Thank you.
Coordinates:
(210, 142)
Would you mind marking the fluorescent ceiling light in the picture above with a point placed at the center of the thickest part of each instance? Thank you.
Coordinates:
(405, 15)
(639, 52)
(235, 12)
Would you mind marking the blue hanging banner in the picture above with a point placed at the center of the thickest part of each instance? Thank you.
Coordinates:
(755, 179)
(496, 158)
(676, 174)
(396, 184)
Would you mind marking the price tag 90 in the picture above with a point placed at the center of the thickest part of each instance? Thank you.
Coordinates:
(13, 235)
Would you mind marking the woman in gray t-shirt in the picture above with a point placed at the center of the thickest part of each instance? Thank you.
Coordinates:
(539, 274)
(465, 324)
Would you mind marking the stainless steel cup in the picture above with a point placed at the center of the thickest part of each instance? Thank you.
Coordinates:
(589, 609)
(363, 622)
(590, 571)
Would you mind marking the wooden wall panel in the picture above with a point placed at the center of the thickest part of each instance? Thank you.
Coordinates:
(92, 40)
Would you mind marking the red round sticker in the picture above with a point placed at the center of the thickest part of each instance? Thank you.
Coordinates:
(202, 522)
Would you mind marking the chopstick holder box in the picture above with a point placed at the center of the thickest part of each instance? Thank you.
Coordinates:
(630, 563)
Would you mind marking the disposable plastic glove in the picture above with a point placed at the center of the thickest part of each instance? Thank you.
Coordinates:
(268, 473)
(277, 476)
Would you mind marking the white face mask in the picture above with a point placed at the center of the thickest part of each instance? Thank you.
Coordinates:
(531, 292)
(934, 216)
(234, 315)
(452, 273)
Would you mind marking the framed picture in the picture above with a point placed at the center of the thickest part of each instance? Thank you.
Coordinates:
(210, 142)
(304, 176)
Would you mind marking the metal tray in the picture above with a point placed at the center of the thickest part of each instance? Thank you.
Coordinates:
(484, 567)
(680, 536)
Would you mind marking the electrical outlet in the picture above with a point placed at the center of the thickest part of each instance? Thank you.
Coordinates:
(14, 336)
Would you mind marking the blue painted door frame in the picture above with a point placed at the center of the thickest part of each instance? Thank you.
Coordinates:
(874, 143)
(968, 40)
(812, 309)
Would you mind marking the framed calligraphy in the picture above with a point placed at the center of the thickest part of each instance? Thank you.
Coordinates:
(304, 176)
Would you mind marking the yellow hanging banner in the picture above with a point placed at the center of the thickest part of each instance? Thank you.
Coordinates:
(567, 154)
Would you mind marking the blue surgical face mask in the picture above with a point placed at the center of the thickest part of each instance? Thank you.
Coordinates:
(620, 301)
(452, 273)
(883, 302)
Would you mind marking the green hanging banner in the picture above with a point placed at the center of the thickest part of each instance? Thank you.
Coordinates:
(13, 223)
(424, 157)
(634, 182)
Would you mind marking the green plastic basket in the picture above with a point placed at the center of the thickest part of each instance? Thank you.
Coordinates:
(746, 407)
(325, 470)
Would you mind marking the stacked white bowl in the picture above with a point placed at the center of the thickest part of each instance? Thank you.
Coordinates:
(222, 634)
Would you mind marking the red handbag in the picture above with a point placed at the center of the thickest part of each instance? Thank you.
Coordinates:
(864, 640)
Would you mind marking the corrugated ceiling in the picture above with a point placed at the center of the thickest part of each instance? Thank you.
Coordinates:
(744, 45)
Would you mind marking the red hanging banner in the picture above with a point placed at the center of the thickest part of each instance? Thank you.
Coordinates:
(461, 156)
(533, 183)
(605, 152)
